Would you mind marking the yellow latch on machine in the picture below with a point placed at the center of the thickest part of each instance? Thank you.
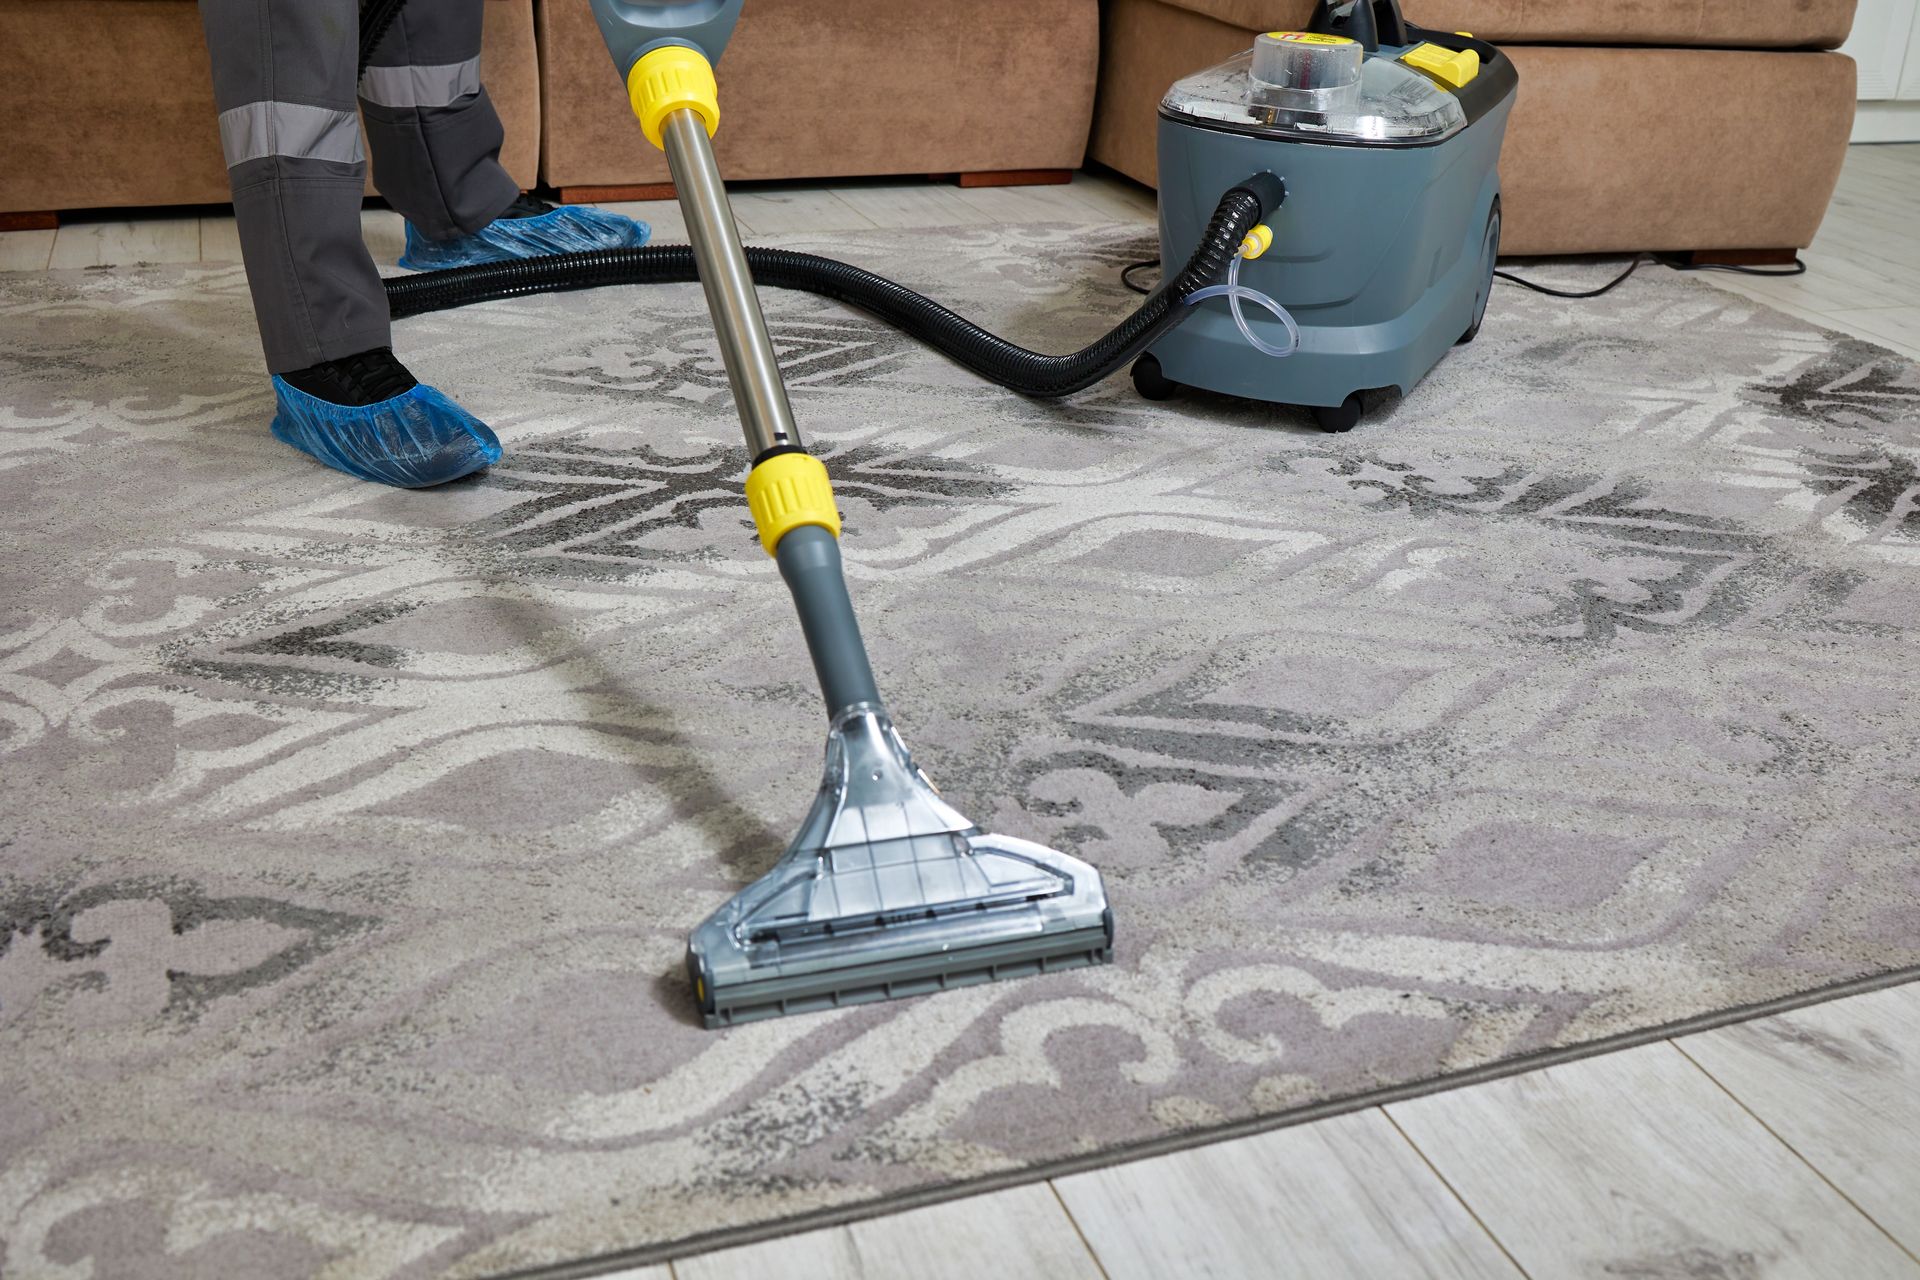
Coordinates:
(669, 79)
(1448, 66)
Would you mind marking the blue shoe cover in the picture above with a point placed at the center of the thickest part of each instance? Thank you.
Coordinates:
(416, 439)
(571, 228)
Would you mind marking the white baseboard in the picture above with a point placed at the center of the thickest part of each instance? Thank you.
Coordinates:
(1887, 122)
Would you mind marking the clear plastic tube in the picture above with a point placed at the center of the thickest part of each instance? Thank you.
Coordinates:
(1233, 291)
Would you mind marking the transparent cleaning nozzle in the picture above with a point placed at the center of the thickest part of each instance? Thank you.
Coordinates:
(888, 890)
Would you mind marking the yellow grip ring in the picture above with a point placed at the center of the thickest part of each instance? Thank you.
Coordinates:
(789, 490)
(668, 79)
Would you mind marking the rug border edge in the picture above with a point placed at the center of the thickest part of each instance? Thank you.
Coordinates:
(902, 1201)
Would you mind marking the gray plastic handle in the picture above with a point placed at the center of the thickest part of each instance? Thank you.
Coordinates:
(630, 28)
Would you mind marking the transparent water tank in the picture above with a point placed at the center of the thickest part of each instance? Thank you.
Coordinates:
(1320, 88)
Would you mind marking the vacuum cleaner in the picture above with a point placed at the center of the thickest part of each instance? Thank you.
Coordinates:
(887, 890)
(1388, 139)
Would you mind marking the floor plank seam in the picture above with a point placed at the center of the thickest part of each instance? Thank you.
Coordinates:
(1085, 1243)
(1453, 1191)
(834, 195)
(1778, 1137)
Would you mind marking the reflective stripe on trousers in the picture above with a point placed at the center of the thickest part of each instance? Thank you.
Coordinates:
(286, 82)
(290, 129)
(430, 86)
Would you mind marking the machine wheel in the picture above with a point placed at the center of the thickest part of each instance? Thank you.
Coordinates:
(1150, 382)
(1489, 257)
(1341, 417)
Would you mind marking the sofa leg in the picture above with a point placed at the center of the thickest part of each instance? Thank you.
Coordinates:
(31, 220)
(612, 195)
(1740, 257)
(1009, 177)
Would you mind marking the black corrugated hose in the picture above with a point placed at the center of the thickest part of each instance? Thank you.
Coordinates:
(992, 357)
(375, 17)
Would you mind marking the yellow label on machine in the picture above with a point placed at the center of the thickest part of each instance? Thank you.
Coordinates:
(1448, 66)
(1306, 37)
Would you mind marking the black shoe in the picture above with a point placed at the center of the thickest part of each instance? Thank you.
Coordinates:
(363, 379)
(528, 206)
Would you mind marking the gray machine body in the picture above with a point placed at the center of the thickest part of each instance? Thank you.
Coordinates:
(1380, 253)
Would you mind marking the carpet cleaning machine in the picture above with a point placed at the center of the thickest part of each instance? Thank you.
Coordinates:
(1380, 140)
(1388, 140)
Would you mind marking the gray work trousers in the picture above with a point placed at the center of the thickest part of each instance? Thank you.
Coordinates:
(283, 80)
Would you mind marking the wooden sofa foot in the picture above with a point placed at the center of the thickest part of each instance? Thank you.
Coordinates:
(32, 220)
(1010, 177)
(614, 195)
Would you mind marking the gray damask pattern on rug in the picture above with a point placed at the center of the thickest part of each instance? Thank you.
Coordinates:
(349, 837)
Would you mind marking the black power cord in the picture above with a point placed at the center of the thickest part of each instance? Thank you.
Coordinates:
(1640, 259)
(1608, 287)
(1799, 268)
(1126, 274)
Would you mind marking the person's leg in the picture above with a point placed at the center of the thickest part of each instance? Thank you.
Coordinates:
(434, 134)
(283, 76)
(436, 151)
(283, 81)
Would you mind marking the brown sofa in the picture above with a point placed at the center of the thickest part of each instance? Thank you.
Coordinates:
(1640, 124)
(108, 103)
(855, 87)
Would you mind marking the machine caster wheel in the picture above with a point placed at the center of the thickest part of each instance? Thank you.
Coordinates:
(1341, 417)
(1150, 382)
(1489, 259)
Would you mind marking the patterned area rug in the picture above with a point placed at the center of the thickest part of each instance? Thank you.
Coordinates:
(351, 836)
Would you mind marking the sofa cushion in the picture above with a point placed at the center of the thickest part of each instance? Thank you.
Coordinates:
(109, 103)
(1727, 148)
(855, 87)
(1727, 24)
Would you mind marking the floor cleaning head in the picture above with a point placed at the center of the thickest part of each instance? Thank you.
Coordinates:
(887, 890)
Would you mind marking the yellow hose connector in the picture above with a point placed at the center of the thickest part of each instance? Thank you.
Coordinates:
(668, 79)
(789, 490)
